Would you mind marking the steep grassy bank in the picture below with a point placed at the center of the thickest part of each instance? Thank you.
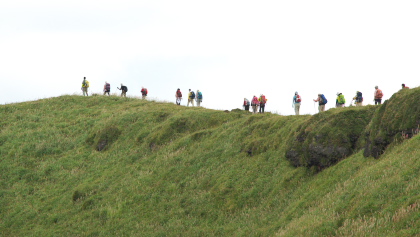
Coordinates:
(101, 166)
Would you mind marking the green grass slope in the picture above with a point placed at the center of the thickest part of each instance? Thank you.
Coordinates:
(110, 166)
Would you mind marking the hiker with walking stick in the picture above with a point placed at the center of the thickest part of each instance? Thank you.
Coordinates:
(262, 101)
(107, 88)
(378, 96)
(199, 98)
(178, 96)
(321, 102)
(254, 104)
(191, 97)
(143, 93)
(246, 104)
(340, 101)
(124, 90)
(85, 86)
(296, 102)
(358, 98)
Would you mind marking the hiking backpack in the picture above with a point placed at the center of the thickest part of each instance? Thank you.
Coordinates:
(341, 99)
(324, 100)
(263, 100)
(178, 93)
(124, 88)
(200, 96)
(379, 94)
(144, 91)
(192, 95)
(255, 101)
(107, 87)
(359, 97)
(298, 99)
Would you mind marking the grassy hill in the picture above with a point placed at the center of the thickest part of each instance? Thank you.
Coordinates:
(111, 166)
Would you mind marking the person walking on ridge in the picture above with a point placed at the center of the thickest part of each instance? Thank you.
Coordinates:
(378, 96)
(199, 98)
(124, 90)
(321, 102)
(358, 99)
(404, 87)
(178, 96)
(246, 104)
(340, 101)
(262, 101)
(107, 88)
(85, 86)
(296, 102)
(143, 93)
(254, 104)
(191, 97)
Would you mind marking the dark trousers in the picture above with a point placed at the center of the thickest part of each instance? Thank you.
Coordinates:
(262, 106)
(378, 101)
(246, 107)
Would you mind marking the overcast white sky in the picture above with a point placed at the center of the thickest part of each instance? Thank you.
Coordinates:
(227, 49)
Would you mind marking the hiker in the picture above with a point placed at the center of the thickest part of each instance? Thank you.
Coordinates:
(199, 98)
(262, 101)
(378, 96)
(246, 104)
(144, 92)
(123, 90)
(85, 86)
(254, 104)
(340, 101)
(107, 88)
(358, 99)
(296, 102)
(321, 102)
(191, 97)
(404, 87)
(178, 96)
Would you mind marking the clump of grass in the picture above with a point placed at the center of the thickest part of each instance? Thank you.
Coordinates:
(102, 139)
(77, 195)
(329, 137)
(397, 119)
